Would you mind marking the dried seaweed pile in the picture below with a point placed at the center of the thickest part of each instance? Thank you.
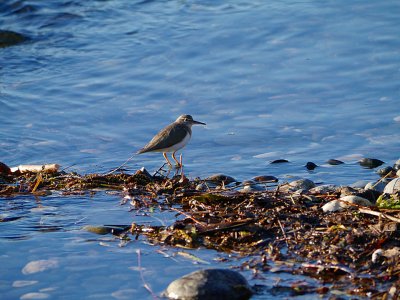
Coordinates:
(355, 250)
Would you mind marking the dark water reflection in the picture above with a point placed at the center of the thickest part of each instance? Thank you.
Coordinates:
(304, 81)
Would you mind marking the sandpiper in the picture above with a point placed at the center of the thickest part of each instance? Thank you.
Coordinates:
(173, 137)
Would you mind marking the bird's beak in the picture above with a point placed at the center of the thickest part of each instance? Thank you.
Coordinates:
(197, 122)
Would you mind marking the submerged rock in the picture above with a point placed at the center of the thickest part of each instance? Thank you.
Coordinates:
(334, 162)
(310, 165)
(209, 284)
(11, 38)
(370, 163)
(39, 266)
(279, 161)
(392, 187)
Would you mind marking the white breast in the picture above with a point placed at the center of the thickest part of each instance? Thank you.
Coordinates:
(176, 147)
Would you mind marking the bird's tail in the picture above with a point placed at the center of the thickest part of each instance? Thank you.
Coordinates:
(128, 160)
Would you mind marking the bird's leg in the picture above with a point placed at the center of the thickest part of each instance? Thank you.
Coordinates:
(178, 165)
(180, 162)
(166, 158)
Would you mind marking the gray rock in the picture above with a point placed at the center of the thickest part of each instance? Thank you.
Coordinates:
(379, 187)
(220, 178)
(370, 163)
(324, 189)
(392, 187)
(336, 205)
(333, 206)
(209, 284)
(202, 187)
(386, 171)
(396, 165)
(335, 162)
(359, 184)
(356, 200)
(302, 184)
(251, 186)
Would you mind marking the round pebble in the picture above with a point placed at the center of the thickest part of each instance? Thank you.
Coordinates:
(334, 162)
(302, 184)
(370, 163)
(392, 187)
(209, 284)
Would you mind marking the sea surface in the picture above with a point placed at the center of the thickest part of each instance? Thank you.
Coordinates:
(295, 80)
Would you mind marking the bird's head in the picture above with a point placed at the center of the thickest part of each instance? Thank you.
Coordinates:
(188, 120)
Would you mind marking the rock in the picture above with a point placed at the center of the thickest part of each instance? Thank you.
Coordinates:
(220, 178)
(202, 187)
(392, 187)
(386, 172)
(333, 206)
(11, 38)
(144, 172)
(334, 162)
(209, 284)
(302, 184)
(265, 178)
(323, 189)
(389, 253)
(279, 161)
(336, 205)
(376, 186)
(310, 165)
(356, 200)
(348, 190)
(398, 173)
(39, 266)
(251, 186)
(396, 165)
(4, 169)
(359, 184)
(370, 163)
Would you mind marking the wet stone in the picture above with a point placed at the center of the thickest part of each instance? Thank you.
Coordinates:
(386, 171)
(220, 178)
(310, 165)
(10, 38)
(334, 162)
(279, 161)
(209, 284)
(370, 163)
(265, 178)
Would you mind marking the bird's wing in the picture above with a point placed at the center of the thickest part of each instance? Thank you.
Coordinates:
(166, 138)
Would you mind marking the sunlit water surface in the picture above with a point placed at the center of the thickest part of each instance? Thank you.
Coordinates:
(299, 80)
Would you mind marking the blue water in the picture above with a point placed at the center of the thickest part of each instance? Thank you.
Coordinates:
(300, 80)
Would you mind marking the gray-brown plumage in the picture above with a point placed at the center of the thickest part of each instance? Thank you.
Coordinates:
(173, 137)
